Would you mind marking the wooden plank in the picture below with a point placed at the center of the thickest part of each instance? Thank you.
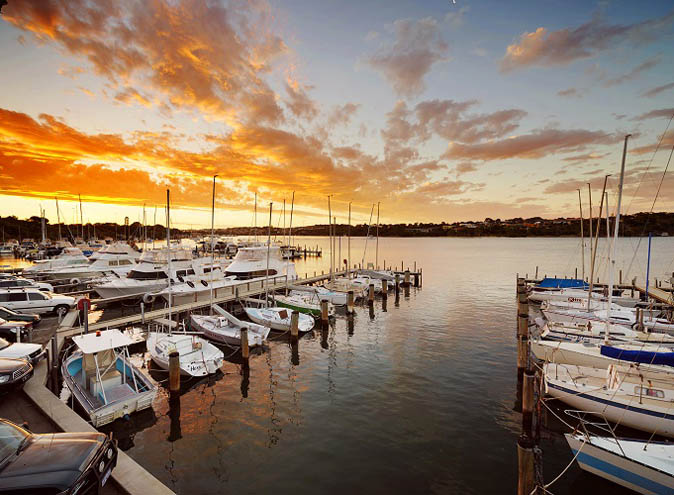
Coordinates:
(657, 294)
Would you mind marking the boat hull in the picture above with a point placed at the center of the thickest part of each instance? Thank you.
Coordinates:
(619, 469)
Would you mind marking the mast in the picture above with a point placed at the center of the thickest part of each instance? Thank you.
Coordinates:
(58, 217)
(330, 234)
(607, 328)
(255, 217)
(348, 243)
(362, 262)
(81, 216)
(596, 241)
(290, 230)
(582, 237)
(589, 192)
(376, 251)
(154, 225)
(334, 242)
(616, 229)
(168, 250)
(266, 275)
(210, 306)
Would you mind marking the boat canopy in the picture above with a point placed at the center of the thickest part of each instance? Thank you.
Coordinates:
(91, 343)
(638, 356)
(562, 283)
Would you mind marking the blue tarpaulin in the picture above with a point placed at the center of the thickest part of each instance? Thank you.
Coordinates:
(563, 283)
(666, 358)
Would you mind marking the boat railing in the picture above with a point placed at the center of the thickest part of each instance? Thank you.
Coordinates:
(593, 419)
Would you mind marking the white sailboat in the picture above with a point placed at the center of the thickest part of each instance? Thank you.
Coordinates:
(279, 319)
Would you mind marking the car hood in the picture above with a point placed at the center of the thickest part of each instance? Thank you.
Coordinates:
(9, 365)
(51, 460)
(19, 350)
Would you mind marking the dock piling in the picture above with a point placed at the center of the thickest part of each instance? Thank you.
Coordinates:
(324, 312)
(245, 350)
(349, 302)
(528, 401)
(407, 277)
(294, 325)
(525, 465)
(174, 374)
(370, 294)
(384, 288)
(397, 284)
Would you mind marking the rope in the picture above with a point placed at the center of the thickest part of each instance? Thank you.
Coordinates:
(545, 487)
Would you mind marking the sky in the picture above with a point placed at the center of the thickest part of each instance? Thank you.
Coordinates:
(437, 110)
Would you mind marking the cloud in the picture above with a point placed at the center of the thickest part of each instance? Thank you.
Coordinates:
(465, 167)
(456, 18)
(417, 47)
(655, 114)
(342, 114)
(634, 73)
(196, 55)
(299, 102)
(129, 96)
(657, 90)
(535, 145)
(570, 93)
(585, 157)
(551, 48)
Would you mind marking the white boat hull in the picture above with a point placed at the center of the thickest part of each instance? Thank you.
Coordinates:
(602, 457)
(206, 360)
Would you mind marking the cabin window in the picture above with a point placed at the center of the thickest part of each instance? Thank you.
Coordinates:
(649, 392)
(35, 296)
(112, 263)
(147, 275)
(124, 262)
(17, 296)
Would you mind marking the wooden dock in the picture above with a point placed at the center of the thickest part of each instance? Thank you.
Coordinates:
(657, 294)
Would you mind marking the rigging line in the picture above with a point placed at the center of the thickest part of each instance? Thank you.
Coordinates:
(657, 193)
(649, 163)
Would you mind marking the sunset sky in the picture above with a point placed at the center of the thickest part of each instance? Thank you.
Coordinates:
(438, 110)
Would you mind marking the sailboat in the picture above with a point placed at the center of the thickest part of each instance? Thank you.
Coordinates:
(197, 356)
(226, 328)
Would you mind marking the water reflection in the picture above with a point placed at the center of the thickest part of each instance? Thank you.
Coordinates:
(175, 433)
(245, 381)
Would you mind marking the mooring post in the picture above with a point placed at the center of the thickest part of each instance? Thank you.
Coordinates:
(294, 325)
(349, 302)
(522, 312)
(54, 362)
(245, 350)
(522, 356)
(536, 276)
(397, 281)
(528, 401)
(384, 288)
(370, 294)
(142, 312)
(407, 277)
(174, 374)
(525, 465)
(324, 312)
(620, 277)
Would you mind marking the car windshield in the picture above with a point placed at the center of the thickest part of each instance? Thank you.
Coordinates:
(7, 311)
(11, 440)
(3, 343)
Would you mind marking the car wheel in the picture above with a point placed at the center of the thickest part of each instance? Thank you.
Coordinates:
(61, 309)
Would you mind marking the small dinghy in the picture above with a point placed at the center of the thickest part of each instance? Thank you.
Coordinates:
(102, 379)
(226, 329)
(279, 319)
(198, 357)
(304, 302)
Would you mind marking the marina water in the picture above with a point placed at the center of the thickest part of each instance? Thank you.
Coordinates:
(417, 398)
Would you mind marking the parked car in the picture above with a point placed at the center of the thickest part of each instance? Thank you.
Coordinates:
(23, 350)
(54, 463)
(10, 329)
(35, 301)
(13, 374)
(20, 282)
(10, 315)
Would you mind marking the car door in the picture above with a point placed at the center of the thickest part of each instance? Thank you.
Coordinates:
(18, 301)
(39, 302)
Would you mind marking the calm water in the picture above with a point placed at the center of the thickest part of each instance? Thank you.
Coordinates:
(415, 398)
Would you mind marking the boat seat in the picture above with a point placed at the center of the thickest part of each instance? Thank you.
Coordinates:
(109, 380)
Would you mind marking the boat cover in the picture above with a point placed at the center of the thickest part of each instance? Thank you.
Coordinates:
(638, 356)
(562, 283)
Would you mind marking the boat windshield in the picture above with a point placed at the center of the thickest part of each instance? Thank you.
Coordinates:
(138, 275)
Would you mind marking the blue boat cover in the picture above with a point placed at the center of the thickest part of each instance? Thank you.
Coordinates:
(666, 358)
(563, 283)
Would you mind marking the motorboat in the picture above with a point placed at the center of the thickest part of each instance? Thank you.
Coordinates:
(116, 248)
(195, 288)
(69, 257)
(279, 319)
(304, 302)
(117, 264)
(197, 356)
(102, 378)
(226, 328)
(250, 263)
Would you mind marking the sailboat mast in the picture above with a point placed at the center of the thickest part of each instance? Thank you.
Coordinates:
(255, 217)
(367, 235)
(290, 230)
(58, 217)
(596, 241)
(376, 250)
(348, 249)
(266, 275)
(154, 225)
(168, 251)
(617, 224)
(210, 306)
(330, 234)
(589, 192)
(582, 237)
(81, 216)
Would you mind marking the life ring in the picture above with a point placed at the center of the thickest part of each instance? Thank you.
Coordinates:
(204, 283)
(74, 281)
(190, 284)
(148, 298)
